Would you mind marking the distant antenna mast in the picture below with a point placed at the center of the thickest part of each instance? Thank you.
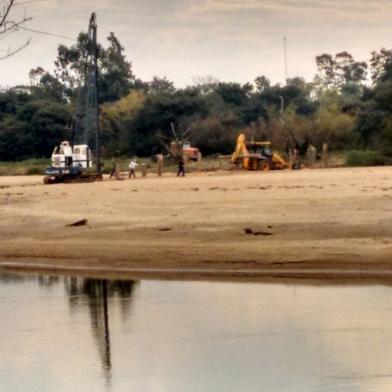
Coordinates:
(285, 59)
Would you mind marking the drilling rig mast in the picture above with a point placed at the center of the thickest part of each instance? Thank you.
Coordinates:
(74, 162)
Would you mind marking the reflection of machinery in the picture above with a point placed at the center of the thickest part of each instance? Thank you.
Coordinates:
(257, 156)
(75, 163)
(98, 295)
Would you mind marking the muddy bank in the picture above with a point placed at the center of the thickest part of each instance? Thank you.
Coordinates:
(307, 223)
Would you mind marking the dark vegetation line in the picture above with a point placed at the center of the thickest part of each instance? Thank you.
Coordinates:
(348, 105)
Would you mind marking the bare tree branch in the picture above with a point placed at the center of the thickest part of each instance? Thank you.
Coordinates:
(13, 26)
(11, 52)
(8, 26)
(6, 11)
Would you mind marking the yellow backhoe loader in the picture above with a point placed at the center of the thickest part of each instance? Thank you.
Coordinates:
(257, 156)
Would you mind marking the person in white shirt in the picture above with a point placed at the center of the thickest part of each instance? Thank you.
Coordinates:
(132, 168)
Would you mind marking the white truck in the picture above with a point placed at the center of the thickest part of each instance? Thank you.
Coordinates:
(71, 164)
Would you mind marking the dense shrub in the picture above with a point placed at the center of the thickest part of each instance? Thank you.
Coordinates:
(365, 158)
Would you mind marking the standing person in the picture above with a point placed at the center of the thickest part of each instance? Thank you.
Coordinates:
(181, 167)
(114, 169)
(132, 168)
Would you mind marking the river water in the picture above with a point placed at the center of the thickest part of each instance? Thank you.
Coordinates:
(72, 334)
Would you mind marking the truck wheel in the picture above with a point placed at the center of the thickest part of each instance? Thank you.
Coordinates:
(264, 166)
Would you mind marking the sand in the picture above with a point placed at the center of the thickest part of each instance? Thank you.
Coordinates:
(302, 223)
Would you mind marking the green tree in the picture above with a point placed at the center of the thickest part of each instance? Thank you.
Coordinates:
(115, 120)
(159, 86)
(115, 72)
(378, 63)
(373, 125)
(211, 136)
(154, 119)
(44, 85)
(33, 129)
(326, 67)
(234, 93)
(339, 71)
(262, 83)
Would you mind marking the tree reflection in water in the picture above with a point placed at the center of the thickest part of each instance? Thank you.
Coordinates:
(98, 294)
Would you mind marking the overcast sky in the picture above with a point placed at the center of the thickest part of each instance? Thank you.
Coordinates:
(232, 40)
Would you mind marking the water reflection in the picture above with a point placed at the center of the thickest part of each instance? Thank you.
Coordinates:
(75, 334)
(96, 292)
(15, 278)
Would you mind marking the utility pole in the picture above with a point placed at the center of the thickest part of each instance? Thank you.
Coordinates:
(285, 59)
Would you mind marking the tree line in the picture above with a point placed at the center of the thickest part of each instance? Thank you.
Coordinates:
(348, 105)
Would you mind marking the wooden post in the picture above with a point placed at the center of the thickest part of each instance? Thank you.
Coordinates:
(325, 155)
(199, 161)
(160, 164)
(143, 168)
(311, 155)
(117, 172)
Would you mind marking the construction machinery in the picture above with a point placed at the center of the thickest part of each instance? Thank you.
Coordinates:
(71, 164)
(185, 150)
(74, 162)
(257, 156)
(191, 153)
(180, 147)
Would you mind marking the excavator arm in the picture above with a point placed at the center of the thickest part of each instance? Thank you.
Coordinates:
(279, 162)
(240, 150)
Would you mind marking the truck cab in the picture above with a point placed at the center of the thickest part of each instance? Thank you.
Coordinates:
(69, 163)
(191, 153)
(66, 156)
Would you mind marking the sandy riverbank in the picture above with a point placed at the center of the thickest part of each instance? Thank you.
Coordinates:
(309, 222)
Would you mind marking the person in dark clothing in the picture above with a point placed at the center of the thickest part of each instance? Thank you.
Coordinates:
(181, 167)
(114, 171)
